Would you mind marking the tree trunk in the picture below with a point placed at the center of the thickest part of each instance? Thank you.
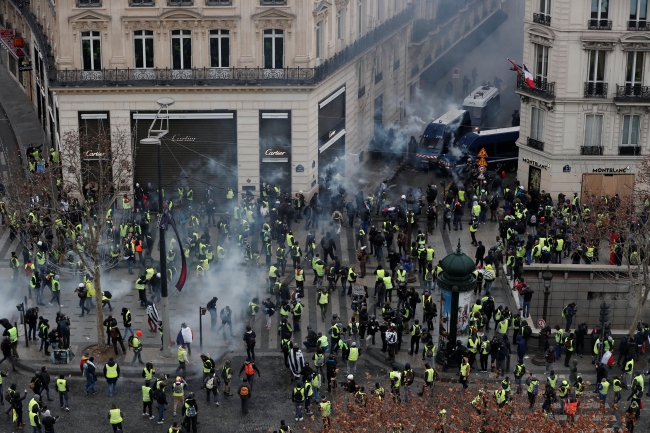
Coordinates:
(643, 294)
(100, 312)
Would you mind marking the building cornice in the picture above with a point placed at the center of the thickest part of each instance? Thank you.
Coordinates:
(598, 44)
(273, 19)
(635, 42)
(182, 19)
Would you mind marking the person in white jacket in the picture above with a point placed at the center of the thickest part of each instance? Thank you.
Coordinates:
(296, 361)
(187, 336)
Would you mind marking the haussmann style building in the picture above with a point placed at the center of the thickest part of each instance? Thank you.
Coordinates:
(280, 91)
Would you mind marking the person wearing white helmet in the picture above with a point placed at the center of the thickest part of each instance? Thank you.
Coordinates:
(81, 293)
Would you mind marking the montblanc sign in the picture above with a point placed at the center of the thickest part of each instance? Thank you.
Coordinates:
(537, 164)
(610, 170)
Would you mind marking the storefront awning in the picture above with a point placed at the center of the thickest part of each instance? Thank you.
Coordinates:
(7, 42)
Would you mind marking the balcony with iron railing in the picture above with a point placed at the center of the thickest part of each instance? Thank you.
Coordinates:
(543, 19)
(543, 89)
(595, 90)
(636, 26)
(273, 2)
(591, 150)
(633, 150)
(138, 3)
(632, 93)
(177, 3)
(535, 144)
(596, 24)
(218, 2)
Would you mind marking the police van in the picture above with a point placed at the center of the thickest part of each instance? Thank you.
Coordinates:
(483, 105)
(439, 135)
(499, 144)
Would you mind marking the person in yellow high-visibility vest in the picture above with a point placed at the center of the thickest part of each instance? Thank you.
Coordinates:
(115, 418)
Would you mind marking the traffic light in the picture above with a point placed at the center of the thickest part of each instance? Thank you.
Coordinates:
(203, 311)
(604, 312)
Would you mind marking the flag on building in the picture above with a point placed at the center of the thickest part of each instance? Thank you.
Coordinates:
(515, 67)
(529, 78)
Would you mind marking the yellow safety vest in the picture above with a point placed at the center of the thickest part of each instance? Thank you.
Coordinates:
(116, 416)
(61, 385)
(145, 393)
(181, 354)
(354, 354)
(111, 372)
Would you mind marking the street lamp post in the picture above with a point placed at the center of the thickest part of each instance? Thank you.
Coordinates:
(162, 258)
(540, 357)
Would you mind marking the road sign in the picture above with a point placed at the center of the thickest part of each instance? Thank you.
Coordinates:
(482, 153)
(541, 324)
(481, 176)
(358, 290)
(482, 162)
(456, 73)
(481, 169)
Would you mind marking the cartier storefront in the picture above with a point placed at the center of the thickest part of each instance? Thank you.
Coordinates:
(275, 148)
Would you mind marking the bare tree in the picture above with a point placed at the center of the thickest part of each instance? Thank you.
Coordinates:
(66, 208)
(618, 226)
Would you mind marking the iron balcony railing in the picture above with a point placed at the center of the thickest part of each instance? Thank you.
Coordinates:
(535, 144)
(194, 76)
(632, 93)
(633, 150)
(595, 24)
(543, 19)
(235, 76)
(595, 90)
(141, 2)
(543, 88)
(640, 25)
(591, 150)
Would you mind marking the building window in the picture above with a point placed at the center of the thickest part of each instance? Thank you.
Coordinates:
(218, 2)
(340, 24)
(638, 14)
(631, 125)
(273, 2)
(141, 2)
(545, 7)
(379, 68)
(593, 130)
(537, 124)
(220, 48)
(143, 48)
(599, 13)
(89, 3)
(180, 2)
(634, 69)
(360, 17)
(181, 49)
(91, 43)
(596, 73)
(319, 40)
(541, 62)
(273, 49)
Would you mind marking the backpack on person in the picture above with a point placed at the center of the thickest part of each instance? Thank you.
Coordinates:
(249, 370)
(244, 391)
(528, 332)
(297, 395)
(113, 333)
(276, 289)
(409, 377)
(210, 383)
(536, 389)
(191, 411)
(131, 341)
(107, 294)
